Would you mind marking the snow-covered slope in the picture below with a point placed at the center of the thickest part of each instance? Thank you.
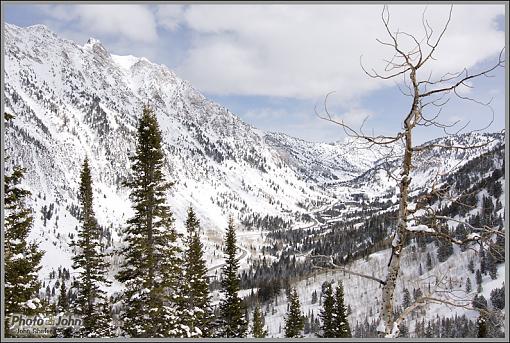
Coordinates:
(364, 296)
(444, 276)
(324, 162)
(430, 165)
(72, 101)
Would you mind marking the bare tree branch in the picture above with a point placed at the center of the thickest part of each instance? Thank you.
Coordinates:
(425, 93)
(466, 78)
(328, 261)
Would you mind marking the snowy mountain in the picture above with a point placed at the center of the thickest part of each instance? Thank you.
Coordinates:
(431, 165)
(72, 101)
(324, 162)
(357, 233)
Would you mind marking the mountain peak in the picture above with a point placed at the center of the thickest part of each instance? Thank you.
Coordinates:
(39, 27)
(125, 62)
(39, 30)
(97, 47)
(93, 41)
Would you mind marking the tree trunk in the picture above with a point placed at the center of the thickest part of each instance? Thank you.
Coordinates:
(398, 242)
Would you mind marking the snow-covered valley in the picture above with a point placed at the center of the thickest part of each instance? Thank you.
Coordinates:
(288, 197)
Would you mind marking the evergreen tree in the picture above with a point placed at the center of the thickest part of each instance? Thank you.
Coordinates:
(109, 329)
(340, 320)
(406, 302)
(196, 302)
(403, 330)
(497, 250)
(429, 262)
(445, 248)
(422, 243)
(497, 189)
(232, 322)
(61, 307)
(294, 322)
(483, 268)
(479, 280)
(479, 302)
(468, 285)
(326, 314)
(90, 262)
(314, 297)
(307, 326)
(151, 270)
(63, 302)
(482, 327)
(258, 324)
(419, 328)
(498, 297)
(495, 323)
(491, 266)
(429, 332)
(22, 258)
(471, 266)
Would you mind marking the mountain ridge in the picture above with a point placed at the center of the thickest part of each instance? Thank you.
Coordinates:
(72, 101)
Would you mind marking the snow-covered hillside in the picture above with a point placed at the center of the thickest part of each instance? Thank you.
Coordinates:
(72, 101)
(430, 165)
(325, 162)
(364, 296)
(476, 181)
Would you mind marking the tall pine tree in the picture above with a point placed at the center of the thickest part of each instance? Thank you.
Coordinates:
(491, 265)
(22, 258)
(406, 301)
(258, 330)
(151, 268)
(61, 307)
(91, 264)
(295, 322)
(63, 301)
(326, 314)
(445, 247)
(341, 323)
(196, 302)
(232, 322)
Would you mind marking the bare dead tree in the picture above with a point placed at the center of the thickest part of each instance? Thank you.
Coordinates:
(424, 93)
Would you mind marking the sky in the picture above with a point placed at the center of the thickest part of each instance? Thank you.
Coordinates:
(274, 65)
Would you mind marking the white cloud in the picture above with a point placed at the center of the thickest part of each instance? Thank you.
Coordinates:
(305, 51)
(267, 113)
(310, 128)
(289, 51)
(170, 16)
(306, 124)
(299, 51)
(356, 117)
(133, 22)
